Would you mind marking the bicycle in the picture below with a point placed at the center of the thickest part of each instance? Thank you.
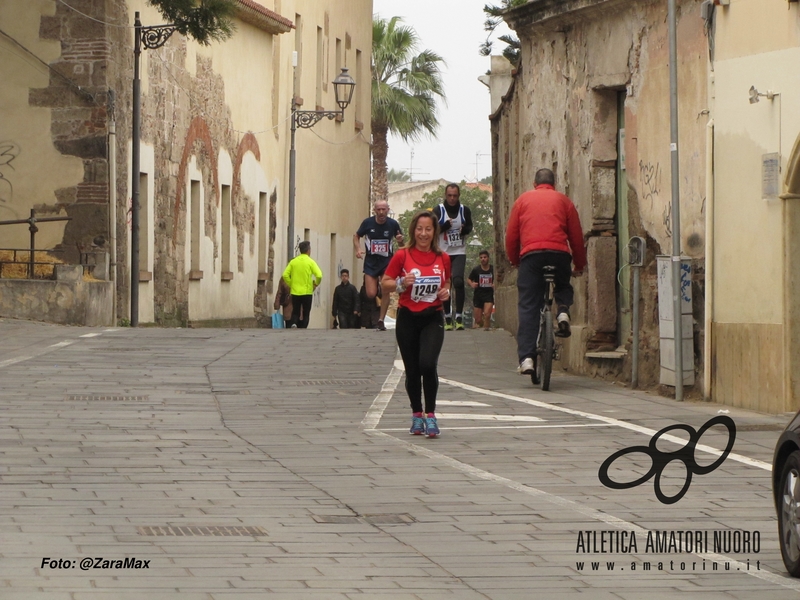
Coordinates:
(546, 349)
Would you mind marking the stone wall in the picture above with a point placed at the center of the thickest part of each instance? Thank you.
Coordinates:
(85, 303)
(78, 103)
(580, 58)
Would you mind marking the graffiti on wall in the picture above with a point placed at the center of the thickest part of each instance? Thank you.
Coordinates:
(9, 151)
(650, 175)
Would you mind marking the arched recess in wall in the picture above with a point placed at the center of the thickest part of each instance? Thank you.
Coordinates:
(248, 144)
(791, 291)
(198, 132)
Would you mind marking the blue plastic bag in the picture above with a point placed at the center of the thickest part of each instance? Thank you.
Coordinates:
(277, 320)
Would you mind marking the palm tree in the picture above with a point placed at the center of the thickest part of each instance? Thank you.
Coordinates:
(399, 175)
(494, 16)
(404, 90)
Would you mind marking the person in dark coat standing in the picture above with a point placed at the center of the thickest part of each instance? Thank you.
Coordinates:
(346, 303)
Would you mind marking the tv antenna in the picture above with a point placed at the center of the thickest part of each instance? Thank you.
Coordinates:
(477, 159)
(411, 171)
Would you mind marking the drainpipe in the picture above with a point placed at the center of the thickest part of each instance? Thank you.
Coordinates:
(677, 305)
(112, 204)
(709, 295)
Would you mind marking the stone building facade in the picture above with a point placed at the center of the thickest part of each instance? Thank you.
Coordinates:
(590, 100)
(214, 147)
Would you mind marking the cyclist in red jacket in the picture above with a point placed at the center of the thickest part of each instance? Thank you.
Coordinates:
(543, 229)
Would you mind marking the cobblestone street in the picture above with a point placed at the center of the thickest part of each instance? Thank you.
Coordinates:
(229, 463)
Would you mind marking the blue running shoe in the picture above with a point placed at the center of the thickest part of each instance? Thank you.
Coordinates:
(431, 427)
(417, 425)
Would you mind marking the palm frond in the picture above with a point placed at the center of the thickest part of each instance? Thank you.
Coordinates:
(405, 83)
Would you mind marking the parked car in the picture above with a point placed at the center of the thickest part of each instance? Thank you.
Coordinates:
(786, 490)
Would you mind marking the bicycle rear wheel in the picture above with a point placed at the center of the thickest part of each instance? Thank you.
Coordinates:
(544, 363)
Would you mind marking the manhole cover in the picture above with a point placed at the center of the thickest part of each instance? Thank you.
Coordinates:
(382, 519)
(336, 520)
(388, 519)
(105, 398)
(330, 382)
(203, 531)
(128, 349)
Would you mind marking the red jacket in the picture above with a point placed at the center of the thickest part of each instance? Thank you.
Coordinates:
(544, 219)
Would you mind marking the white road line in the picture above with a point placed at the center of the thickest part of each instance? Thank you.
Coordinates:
(449, 428)
(752, 462)
(586, 511)
(90, 335)
(375, 411)
(12, 361)
(379, 405)
(482, 417)
(62, 344)
(459, 403)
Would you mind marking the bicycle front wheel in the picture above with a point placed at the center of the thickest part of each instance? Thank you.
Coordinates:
(544, 364)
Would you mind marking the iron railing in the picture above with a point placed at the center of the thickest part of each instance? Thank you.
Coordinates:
(31, 221)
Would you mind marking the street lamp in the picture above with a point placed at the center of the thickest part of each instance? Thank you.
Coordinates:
(343, 87)
(755, 95)
(151, 38)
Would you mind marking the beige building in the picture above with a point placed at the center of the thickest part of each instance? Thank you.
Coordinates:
(403, 194)
(753, 279)
(214, 148)
(590, 100)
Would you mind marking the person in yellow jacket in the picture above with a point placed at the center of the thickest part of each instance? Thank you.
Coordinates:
(303, 276)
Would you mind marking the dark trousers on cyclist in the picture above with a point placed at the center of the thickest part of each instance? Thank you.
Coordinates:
(530, 290)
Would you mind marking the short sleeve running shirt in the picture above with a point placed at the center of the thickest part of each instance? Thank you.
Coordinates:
(484, 279)
(378, 237)
(431, 270)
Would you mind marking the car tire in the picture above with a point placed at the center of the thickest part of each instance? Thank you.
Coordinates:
(788, 517)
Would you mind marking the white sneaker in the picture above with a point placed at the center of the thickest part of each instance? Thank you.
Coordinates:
(563, 325)
(294, 326)
(526, 367)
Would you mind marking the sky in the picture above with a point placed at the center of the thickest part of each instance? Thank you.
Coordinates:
(454, 30)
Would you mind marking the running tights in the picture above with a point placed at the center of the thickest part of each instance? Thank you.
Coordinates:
(458, 264)
(420, 337)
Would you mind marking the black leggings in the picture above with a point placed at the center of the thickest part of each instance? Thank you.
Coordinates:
(458, 264)
(420, 337)
(298, 303)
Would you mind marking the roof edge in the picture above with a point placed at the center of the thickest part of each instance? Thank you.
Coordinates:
(538, 11)
(265, 19)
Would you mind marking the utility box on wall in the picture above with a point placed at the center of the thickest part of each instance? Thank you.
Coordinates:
(666, 322)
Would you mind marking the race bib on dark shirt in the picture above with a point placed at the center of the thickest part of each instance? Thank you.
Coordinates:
(485, 281)
(379, 247)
